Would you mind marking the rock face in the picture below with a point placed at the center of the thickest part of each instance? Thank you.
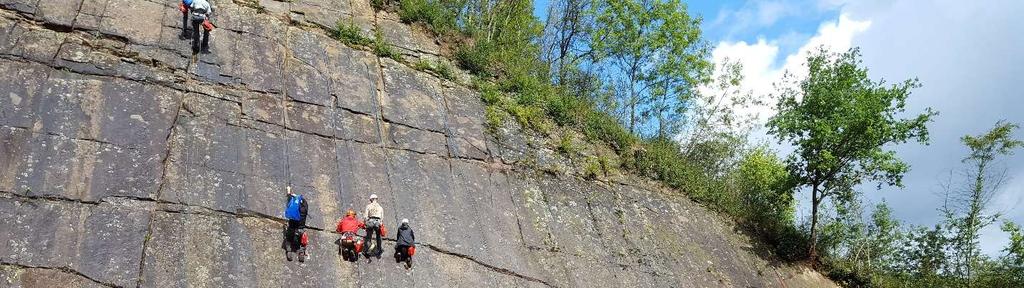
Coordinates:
(123, 165)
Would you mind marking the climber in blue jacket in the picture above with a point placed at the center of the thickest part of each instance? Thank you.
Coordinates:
(295, 212)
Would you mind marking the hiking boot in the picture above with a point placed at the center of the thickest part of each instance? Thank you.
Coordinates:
(288, 255)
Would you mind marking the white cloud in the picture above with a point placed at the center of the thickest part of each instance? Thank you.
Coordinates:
(769, 12)
(760, 71)
(967, 56)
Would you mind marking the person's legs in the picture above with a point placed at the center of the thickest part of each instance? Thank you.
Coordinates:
(401, 252)
(206, 41)
(284, 238)
(346, 248)
(298, 243)
(380, 250)
(184, 24)
(289, 237)
(196, 26)
(367, 239)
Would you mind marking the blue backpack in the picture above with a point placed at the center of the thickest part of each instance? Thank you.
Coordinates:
(292, 211)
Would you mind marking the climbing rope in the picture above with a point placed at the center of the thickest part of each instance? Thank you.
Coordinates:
(188, 146)
(284, 139)
(380, 138)
(284, 114)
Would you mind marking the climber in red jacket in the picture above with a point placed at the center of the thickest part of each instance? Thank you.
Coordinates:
(350, 244)
(349, 223)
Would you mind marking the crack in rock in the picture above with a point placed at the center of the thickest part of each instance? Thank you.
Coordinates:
(60, 269)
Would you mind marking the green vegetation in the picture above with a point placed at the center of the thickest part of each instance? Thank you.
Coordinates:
(592, 169)
(539, 79)
(965, 218)
(379, 4)
(884, 253)
(625, 75)
(565, 145)
(350, 34)
(839, 127)
(383, 49)
(766, 201)
(653, 54)
(440, 68)
(435, 14)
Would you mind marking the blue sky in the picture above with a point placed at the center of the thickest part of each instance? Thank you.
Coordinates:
(966, 55)
(790, 23)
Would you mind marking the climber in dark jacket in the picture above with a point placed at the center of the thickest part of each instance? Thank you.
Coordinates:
(295, 212)
(406, 239)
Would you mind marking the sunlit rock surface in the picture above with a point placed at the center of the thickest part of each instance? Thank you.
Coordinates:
(122, 165)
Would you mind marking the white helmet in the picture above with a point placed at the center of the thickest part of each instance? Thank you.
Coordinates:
(373, 196)
(405, 221)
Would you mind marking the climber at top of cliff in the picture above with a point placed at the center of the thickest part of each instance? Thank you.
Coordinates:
(404, 246)
(201, 11)
(374, 213)
(295, 212)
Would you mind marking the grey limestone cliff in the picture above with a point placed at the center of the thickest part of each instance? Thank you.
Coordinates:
(122, 165)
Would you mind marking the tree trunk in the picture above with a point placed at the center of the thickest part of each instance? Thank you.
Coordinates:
(632, 104)
(812, 254)
(973, 221)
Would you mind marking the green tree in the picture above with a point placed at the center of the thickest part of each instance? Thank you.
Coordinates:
(840, 122)
(965, 209)
(1008, 269)
(767, 198)
(859, 252)
(883, 236)
(924, 256)
(566, 32)
(652, 51)
(872, 247)
(716, 112)
(1013, 261)
(714, 135)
